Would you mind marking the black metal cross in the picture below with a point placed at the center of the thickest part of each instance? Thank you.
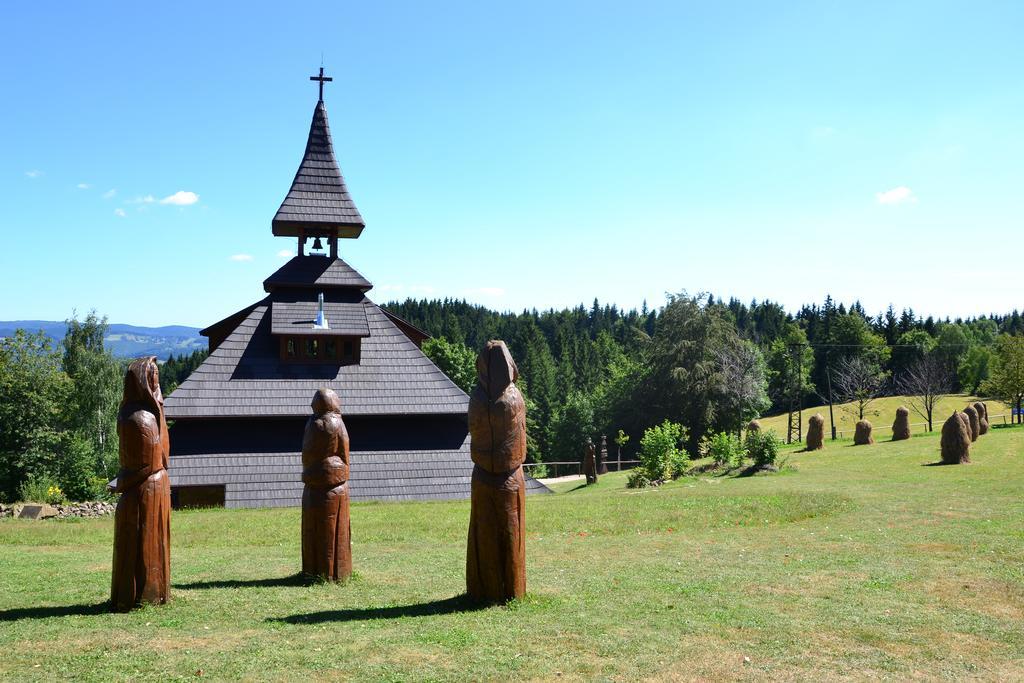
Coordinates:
(323, 79)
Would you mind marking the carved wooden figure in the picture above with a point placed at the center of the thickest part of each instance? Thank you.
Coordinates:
(589, 462)
(326, 530)
(496, 552)
(602, 461)
(142, 522)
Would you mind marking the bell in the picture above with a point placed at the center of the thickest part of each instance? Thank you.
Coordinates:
(317, 245)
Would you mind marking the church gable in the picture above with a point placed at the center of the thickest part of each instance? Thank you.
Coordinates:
(245, 376)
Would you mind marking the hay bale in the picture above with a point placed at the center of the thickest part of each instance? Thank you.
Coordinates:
(901, 425)
(982, 417)
(862, 434)
(956, 440)
(753, 426)
(975, 424)
(816, 433)
(966, 420)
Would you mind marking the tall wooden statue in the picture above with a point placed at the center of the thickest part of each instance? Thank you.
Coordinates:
(496, 553)
(326, 531)
(602, 461)
(589, 462)
(142, 522)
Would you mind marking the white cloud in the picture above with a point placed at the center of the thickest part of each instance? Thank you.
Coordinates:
(181, 198)
(897, 195)
(148, 199)
(120, 213)
(33, 173)
(83, 186)
(241, 257)
(109, 194)
(285, 253)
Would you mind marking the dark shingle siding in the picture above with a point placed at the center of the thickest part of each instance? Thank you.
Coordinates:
(318, 196)
(274, 480)
(245, 377)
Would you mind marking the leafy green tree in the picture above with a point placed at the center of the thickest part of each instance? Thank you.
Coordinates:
(953, 344)
(743, 389)
(97, 381)
(455, 359)
(912, 346)
(572, 424)
(685, 379)
(34, 397)
(781, 368)
(974, 368)
(1006, 381)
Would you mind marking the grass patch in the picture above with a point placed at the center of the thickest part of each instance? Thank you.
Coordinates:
(854, 560)
(882, 412)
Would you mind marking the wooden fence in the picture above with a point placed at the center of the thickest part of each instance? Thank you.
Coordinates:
(576, 466)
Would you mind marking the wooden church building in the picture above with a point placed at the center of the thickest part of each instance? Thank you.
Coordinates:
(239, 418)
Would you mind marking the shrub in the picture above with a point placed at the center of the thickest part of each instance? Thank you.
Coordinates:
(76, 468)
(763, 447)
(638, 478)
(725, 449)
(539, 471)
(660, 455)
(40, 489)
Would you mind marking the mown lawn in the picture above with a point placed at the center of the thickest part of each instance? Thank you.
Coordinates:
(882, 411)
(858, 562)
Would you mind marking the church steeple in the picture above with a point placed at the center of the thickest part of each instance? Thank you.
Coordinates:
(318, 204)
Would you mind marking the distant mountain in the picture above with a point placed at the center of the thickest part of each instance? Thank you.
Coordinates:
(128, 341)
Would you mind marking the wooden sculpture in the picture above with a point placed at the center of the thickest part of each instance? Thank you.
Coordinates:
(326, 531)
(589, 462)
(602, 461)
(496, 553)
(142, 522)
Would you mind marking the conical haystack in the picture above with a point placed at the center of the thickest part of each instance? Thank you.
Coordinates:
(816, 433)
(956, 440)
(982, 417)
(972, 416)
(901, 425)
(862, 434)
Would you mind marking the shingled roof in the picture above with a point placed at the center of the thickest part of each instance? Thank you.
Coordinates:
(298, 317)
(244, 377)
(318, 201)
(317, 272)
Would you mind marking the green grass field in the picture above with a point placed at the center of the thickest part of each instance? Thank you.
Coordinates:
(882, 411)
(854, 562)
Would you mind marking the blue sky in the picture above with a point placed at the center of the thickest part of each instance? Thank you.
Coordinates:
(521, 155)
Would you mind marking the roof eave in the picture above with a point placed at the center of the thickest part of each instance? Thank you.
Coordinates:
(287, 228)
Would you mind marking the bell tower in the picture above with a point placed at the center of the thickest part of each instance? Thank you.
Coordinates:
(318, 204)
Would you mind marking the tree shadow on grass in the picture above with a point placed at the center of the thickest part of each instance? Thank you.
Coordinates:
(56, 611)
(941, 463)
(279, 582)
(458, 603)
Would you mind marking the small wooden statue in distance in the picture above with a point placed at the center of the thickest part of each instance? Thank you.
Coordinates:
(142, 522)
(602, 459)
(496, 553)
(589, 462)
(326, 531)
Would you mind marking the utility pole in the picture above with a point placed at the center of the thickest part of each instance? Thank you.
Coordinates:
(796, 397)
